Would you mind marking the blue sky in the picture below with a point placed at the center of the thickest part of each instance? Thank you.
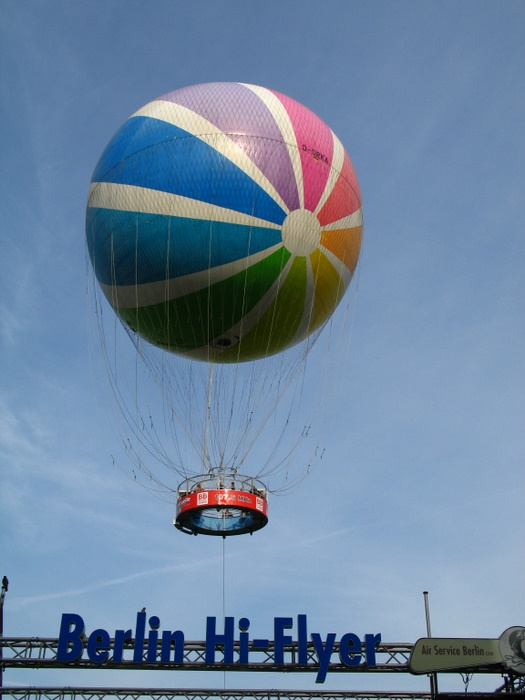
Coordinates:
(422, 483)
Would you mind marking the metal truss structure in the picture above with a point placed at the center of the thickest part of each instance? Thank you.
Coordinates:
(190, 694)
(41, 653)
(513, 684)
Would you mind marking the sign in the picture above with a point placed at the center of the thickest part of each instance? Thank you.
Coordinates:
(148, 644)
(512, 649)
(432, 654)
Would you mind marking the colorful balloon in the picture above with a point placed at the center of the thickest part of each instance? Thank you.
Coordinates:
(224, 222)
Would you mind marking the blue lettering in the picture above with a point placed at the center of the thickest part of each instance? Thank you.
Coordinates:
(302, 640)
(170, 639)
(371, 640)
(140, 628)
(153, 637)
(99, 639)
(244, 640)
(121, 637)
(349, 646)
(213, 639)
(260, 644)
(280, 639)
(324, 653)
(69, 639)
(168, 647)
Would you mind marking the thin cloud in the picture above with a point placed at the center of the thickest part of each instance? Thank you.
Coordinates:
(195, 566)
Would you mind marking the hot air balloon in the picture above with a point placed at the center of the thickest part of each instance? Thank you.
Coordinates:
(223, 226)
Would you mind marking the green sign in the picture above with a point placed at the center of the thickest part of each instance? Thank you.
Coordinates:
(432, 654)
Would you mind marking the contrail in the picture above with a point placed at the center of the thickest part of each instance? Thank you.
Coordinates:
(16, 604)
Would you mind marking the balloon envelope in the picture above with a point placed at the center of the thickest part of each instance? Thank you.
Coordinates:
(224, 222)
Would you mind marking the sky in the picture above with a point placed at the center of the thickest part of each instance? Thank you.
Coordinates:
(421, 487)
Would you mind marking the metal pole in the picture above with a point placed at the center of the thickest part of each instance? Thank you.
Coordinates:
(5, 584)
(432, 676)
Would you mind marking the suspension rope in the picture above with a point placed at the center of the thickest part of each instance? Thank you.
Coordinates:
(207, 463)
(224, 593)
